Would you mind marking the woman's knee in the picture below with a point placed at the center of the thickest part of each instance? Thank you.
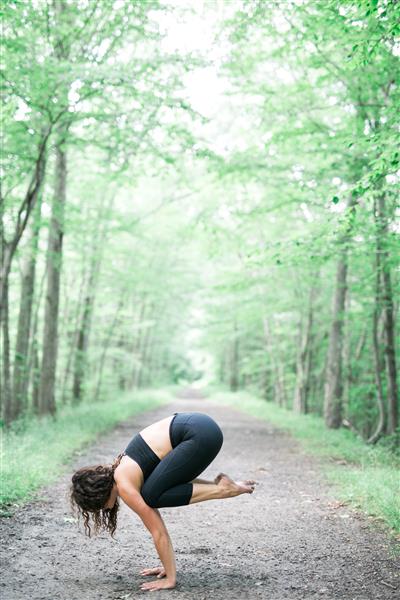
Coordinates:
(211, 444)
(220, 437)
(217, 438)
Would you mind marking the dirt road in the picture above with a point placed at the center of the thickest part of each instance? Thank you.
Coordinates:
(287, 540)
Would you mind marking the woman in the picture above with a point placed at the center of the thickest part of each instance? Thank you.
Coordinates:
(158, 468)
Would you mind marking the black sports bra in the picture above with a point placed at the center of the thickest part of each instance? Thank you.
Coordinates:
(140, 452)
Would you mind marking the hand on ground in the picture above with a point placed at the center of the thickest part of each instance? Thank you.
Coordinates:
(159, 571)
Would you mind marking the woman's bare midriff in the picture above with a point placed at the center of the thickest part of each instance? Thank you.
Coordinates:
(157, 437)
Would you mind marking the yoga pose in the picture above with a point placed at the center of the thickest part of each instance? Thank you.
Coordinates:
(158, 468)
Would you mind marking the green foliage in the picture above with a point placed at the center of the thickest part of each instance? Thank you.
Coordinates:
(365, 476)
(204, 245)
(315, 85)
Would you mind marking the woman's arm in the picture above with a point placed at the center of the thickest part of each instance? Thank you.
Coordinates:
(154, 523)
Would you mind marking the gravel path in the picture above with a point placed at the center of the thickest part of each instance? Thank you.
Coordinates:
(290, 539)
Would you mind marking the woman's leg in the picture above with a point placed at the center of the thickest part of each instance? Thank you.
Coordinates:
(173, 482)
(225, 488)
(170, 484)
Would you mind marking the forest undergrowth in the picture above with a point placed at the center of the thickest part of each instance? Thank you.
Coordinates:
(43, 447)
(365, 476)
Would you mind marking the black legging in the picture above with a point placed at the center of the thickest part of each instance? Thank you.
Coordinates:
(196, 440)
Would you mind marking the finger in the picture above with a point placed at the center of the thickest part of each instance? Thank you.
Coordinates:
(149, 588)
(150, 571)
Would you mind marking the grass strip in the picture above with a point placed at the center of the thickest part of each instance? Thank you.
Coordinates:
(365, 476)
(34, 452)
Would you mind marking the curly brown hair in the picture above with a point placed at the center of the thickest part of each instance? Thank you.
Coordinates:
(91, 488)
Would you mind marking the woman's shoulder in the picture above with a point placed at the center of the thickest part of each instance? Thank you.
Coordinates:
(128, 472)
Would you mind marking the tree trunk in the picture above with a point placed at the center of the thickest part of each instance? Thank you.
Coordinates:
(35, 377)
(136, 350)
(6, 383)
(2, 249)
(73, 319)
(21, 364)
(106, 345)
(333, 383)
(47, 402)
(33, 353)
(304, 361)
(81, 353)
(264, 383)
(82, 345)
(375, 345)
(353, 358)
(389, 322)
(144, 353)
(277, 369)
(118, 364)
(281, 383)
(222, 367)
(7, 249)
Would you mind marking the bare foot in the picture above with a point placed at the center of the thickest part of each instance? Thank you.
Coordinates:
(246, 482)
(218, 477)
(234, 488)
